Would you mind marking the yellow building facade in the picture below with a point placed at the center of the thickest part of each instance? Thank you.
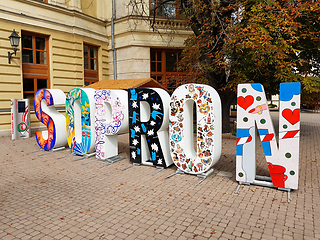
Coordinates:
(71, 43)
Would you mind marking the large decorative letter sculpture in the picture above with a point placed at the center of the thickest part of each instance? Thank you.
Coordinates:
(252, 110)
(80, 111)
(148, 124)
(111, 118)
(209, 129)
(44, 102)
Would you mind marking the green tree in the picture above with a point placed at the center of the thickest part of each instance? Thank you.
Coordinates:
(243, 41)
(311, 91)
(265, 41)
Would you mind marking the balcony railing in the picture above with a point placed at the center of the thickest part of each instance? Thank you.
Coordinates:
(173, 80)
(175, 24)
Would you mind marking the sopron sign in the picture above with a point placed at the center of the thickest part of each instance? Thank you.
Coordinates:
(161, 127)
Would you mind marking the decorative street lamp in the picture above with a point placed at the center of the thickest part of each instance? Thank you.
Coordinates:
(14, 41)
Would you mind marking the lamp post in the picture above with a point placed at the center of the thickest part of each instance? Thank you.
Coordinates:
(14, 41)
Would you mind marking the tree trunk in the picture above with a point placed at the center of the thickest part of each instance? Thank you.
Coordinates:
(227, 97)
(225, 117)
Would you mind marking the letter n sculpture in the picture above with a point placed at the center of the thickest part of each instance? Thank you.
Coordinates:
(253, 117)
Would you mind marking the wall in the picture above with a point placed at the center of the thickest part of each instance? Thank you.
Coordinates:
(67, 31)
(133, 62)
(69, 24)
(133, 40)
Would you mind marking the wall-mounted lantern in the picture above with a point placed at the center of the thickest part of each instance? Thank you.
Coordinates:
(14, 41)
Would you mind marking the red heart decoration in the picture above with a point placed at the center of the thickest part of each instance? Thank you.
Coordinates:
(291, 116)
(245, 102)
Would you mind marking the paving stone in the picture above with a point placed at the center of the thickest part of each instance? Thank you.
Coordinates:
(43, 197)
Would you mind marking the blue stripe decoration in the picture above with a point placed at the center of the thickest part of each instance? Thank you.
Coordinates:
(239, 149)
(263, 131)
(243, 132)
(257, 86)
(287, 90)
(266, 148)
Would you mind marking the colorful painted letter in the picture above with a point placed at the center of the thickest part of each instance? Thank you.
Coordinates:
(209, 129)
(252, 111)
(148, 124)
(80, 109)
(111, 118)
(44, 102)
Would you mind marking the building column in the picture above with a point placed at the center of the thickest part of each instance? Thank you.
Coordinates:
(75, 5)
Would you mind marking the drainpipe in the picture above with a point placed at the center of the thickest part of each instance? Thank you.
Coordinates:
(112, 40)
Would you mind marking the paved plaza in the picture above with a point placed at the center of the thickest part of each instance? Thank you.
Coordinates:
(59, 196)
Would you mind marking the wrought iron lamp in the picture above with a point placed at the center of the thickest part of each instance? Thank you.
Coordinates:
(14, 41)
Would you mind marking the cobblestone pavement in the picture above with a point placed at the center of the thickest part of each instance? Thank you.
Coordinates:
(50, 196)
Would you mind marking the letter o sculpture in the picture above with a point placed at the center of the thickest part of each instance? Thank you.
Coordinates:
(80, 112)
(208, 112)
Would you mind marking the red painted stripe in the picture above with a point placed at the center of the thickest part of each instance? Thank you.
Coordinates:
(290, 134)
(268, 137)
